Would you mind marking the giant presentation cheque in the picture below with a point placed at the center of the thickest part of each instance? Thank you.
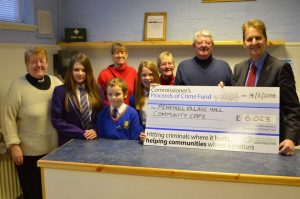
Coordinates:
(210, 117)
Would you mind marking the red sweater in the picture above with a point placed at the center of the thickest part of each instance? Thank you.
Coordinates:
(125, 72)
(170, 81)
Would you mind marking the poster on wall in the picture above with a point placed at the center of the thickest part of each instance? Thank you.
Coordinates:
(209, 117)
(44, 23)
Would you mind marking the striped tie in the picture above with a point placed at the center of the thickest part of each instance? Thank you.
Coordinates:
(85, 115)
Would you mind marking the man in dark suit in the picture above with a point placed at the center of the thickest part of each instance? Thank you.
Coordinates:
(268, 71)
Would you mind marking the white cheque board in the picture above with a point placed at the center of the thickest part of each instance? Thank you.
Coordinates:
(211, 117)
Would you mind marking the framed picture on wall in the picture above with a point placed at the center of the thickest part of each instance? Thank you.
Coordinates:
(44, 23)
(213, 1)
(155, 24)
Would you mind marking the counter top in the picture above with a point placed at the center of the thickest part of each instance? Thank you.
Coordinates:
(131, 157)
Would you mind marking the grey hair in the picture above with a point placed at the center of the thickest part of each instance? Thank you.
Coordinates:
(204, 33)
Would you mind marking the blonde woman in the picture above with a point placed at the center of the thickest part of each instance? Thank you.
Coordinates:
(166, 66)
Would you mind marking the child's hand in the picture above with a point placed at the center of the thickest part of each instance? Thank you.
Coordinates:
(90, 134)
(221, 84)
(142, 136)
(154, 84)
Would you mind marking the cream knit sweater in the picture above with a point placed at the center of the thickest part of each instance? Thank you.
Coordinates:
(25, 117)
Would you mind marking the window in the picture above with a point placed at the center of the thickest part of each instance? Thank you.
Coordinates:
(11, 11)
(11, 16)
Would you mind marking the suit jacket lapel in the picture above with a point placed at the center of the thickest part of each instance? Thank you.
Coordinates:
(265, 71)
(244, 71)
(73, 104)
(78, 113)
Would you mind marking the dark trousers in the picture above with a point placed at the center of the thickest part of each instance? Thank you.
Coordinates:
(30, 177)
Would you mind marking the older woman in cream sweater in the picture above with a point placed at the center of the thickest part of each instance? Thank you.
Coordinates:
(26, 122)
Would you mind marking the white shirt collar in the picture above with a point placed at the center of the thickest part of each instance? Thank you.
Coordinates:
(120, 109)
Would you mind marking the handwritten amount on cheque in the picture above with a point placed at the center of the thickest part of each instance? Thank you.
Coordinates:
(184, 112)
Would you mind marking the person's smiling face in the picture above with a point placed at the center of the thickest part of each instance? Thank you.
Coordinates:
(146, 77)
(120, 57)
(37, 66)
(79, 73)
(203, 47)
(166, 67)
(255, 43)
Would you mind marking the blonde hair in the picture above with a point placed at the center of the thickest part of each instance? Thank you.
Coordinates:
(139, 89)
(37, 50)
(118, 82)
(255, 23)
(163, 55)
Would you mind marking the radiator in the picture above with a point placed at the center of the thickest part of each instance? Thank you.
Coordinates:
(9, 182)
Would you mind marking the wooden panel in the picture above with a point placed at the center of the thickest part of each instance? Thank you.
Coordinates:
(172, 173)
(104, 44)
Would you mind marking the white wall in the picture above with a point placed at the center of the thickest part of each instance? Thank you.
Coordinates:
(123, 20)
